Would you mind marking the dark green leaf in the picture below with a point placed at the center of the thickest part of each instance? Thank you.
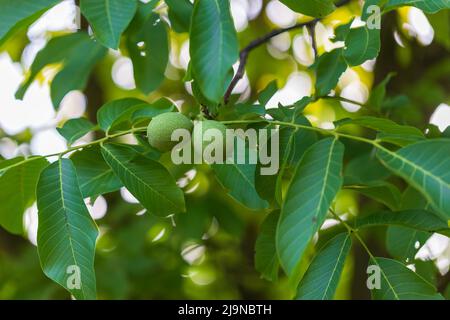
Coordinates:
(108, 18)
(313, 8)
(330, 67)
(266, 259)
(66, 232)
(76, 67)
(362, 44)
(75, 129)
(180, 12)
(400, 283)
(425, 166)
(148, 46)
(214, 46)
(148, 180)
(95, 177)
(18, 192)
(322, 277)
(20, 14)
(429, 6)
(118, 111)
(239, 180)
(315, 184)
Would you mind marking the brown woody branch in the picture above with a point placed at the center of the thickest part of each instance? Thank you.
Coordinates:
(243, 56)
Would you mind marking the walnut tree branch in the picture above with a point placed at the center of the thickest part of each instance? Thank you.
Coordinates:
(243, 56)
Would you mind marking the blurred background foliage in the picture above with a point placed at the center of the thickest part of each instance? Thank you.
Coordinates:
(208, 253)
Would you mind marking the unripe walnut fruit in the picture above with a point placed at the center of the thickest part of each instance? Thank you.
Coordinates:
(201, 128)
(160, 129)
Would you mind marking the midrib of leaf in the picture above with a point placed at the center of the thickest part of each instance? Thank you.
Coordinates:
(416, 167)
(327, 170)
(138, 178)
(108, 16)
(335, 267)
(220, 34)
(66, 221)
(386, 278)
(366, 44)
(96, 177)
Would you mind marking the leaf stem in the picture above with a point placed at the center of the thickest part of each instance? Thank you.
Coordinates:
(353, 232)
(75, 148)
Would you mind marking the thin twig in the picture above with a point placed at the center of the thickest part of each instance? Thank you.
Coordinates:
(243, 56)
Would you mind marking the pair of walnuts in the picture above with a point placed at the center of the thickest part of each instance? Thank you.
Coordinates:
(160, 129)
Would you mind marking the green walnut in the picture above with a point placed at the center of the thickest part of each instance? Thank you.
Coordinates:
(160, 129)
(199, 139)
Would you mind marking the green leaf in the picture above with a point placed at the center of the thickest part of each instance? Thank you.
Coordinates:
(315, 184)
(330, 67)
(108, 18)
(76, 67)
(378, 93)
(322, 277)
(342, 31)
(400, 283)
(20, 14)
(381, 191)
(313, 8)
(149, 111)
(421, 220)
(66, 232)
(18, 192)
(362, 44)
(266, 259)
(428, 6)
(148, 180)
(118, 111)
(441, 26)
(75, 129)
(95, 177)
(365, 169)
(424, 165)
(214, 46)
(148, 46)
(389, 130)
(268, 92)
(403, 243)
(365, 14)
(239, 180)
(180, 12)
